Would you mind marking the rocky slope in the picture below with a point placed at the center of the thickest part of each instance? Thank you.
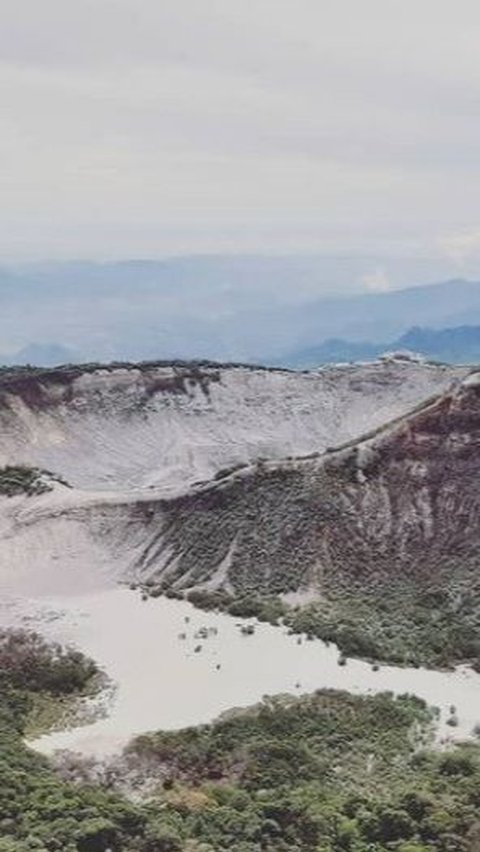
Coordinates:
(380, 534)
(115, 430)
(383, 534)
(402, 502)
(169, 425)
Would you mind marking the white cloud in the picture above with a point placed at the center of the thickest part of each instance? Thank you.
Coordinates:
(132, 126)
(462, 247)
(376, 281)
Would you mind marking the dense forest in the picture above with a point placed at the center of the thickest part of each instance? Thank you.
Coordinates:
(323, 772)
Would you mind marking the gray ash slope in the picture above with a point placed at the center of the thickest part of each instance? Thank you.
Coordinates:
(133, 440)
(380, 534)
(167, 425)
(402, 504)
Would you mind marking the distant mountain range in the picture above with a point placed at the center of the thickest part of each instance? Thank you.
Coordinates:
(41, 355)
(460, 345)
(228, 308)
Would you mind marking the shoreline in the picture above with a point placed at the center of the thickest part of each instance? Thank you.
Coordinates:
(163, 682)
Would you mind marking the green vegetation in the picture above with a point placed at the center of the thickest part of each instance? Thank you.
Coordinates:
(269, 608)
(54, 680)
(20, 479)
(40, 812)
(68, 372)
(30, 663)
(31, 383)
(224, 472)
(284, 741)
(17, 479)
(400, 625)
(381, 532)
(324, 772)
(435, 625)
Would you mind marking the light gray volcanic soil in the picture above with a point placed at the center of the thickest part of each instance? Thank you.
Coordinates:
(129, 438)
(134, 440)
(170, 426)
(164, 683)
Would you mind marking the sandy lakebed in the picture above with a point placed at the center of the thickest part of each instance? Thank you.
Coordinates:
(168, 676)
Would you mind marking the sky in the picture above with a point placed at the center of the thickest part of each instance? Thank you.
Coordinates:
(139, 128)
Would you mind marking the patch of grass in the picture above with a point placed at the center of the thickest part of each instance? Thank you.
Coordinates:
(18, 479)
(54, 712)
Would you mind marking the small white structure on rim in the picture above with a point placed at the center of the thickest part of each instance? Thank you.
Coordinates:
(403, 355)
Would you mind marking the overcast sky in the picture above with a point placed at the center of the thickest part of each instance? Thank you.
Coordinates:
(145, 127)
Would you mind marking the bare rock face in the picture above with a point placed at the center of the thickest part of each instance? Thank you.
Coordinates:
(166, 426)
(353, 488)
(280, 509)
(402, 503)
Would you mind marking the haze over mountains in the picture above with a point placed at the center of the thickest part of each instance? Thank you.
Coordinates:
(247, 308)
(459, 345)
